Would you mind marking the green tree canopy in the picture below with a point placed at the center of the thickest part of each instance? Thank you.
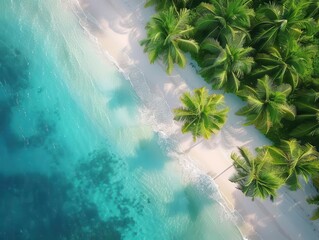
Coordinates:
(254, 175)
(168, 33)
(276, 24)
(225, 67)
(284, 65)
(202, 114)
(307, 119)
(295, 160)
(314, 200)
(165, 4)
(266, 105)
(221, 18)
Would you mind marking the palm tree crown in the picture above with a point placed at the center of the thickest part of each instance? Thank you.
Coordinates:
(284, 65)
(307, 104)
(224, 67)
(254, 176)
(313, 8)
(165, 4)
(277, 23)
(314, 200)
(266, 105)
(202, 114)
(295, 160)
(224, 17)
(159, 4)
(167, 34)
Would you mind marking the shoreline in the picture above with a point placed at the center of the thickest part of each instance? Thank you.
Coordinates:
(117, 26)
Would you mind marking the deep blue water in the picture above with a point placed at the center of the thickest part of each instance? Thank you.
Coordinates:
(76, 161)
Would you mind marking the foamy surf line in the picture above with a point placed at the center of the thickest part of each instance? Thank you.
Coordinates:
(255, 214)
(201, 179)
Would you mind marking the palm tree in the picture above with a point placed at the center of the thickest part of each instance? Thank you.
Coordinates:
(314, 200)
(266, 105)
(255, 176)
(284, 65)
(165, 4)
(221, 18)
(202, 114)
(295, 160)
(167, 34)
(159, 4)
(307, 119)
(313, 9)
(275, 24)
(225, 67)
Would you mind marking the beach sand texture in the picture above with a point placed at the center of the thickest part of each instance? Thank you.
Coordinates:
(118, 26)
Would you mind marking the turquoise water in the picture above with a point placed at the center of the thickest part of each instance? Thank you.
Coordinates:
(76, 160)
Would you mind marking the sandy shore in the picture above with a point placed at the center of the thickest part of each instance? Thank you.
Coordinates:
(118, 25)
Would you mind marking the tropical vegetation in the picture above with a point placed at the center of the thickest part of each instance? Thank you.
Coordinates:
(277, 24)
(255, 175)
(178, 4)
(314, 200)
(224, 67)
(307, 120)
(266, 52)
(294, 160)
(202, 114)
(266, 104)
(219, 19)
(167, 34)
(284, 64)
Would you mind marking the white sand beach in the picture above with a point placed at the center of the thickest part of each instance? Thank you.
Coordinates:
(118, 26)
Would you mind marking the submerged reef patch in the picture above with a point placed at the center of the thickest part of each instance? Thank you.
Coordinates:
(13, 67)
(36, 206)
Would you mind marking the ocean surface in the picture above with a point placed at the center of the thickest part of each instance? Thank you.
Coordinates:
(76, 159)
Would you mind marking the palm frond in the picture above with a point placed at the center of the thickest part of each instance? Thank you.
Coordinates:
(168, 33)
(253, 174)
(266, 105)
(202, 114)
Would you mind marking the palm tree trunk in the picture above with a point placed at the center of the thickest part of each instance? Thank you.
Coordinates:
(191, 147)
(219, 174)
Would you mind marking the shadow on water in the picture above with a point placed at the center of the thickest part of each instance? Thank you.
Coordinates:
(123, 97)
(36, 206)
(149, 155)
(189, 201)
(58, 207)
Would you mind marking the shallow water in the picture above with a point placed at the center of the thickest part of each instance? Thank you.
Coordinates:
(76, 160)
